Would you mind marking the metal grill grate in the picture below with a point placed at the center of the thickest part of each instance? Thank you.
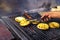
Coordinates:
(33, 32)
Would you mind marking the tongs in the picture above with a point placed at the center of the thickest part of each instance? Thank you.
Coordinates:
(31, 19)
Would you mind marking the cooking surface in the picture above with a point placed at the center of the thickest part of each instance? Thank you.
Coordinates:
(33, 32)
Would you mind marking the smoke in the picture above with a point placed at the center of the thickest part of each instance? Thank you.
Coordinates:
(36, 3)
(18, 5)
(5, 7)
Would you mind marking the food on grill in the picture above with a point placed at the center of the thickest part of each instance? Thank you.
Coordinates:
(27, 15)
(54, 25)
(24, 23)
(34, 21)
(43, 26)
(19, 19)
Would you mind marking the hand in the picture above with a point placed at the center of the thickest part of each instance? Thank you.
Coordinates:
(48, 15)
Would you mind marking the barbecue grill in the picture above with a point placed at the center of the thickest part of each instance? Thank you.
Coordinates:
(32, 7)
(30, 32)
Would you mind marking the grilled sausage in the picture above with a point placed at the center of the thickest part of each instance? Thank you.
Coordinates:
(27, 15)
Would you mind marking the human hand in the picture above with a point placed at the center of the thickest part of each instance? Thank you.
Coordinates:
(48, 15)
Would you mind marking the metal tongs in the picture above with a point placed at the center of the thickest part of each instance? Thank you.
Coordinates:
(31, 19)
(36, 20)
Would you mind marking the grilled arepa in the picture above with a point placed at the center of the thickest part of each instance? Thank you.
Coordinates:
(24, 23)
(35, 22)
(54, 25)
(19, 19)
(43, 26)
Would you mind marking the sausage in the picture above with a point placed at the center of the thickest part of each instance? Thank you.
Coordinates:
(27, 15)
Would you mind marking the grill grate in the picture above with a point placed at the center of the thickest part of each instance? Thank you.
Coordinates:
(33, 32)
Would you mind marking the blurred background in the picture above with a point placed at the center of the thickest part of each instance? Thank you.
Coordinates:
(12, 6)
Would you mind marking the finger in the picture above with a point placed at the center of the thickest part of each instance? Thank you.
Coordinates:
(44, 16)
(46, 19)
(49, 16)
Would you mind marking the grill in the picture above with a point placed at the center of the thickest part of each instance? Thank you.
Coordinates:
(31, 32)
